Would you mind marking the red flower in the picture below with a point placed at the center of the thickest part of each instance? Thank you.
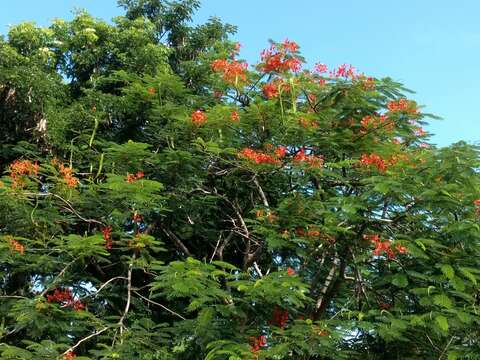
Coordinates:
(373, 159)
(65, 299)
(291, 46)
(69, 355)
(232, 70)
(402, 105)
(321, 68)
(151, 91)
(290, 271)
(258, 157)
(257, 343)
(199, 117)
(234, 116)
(280, 152)
(312, 160)
(22, 167)
(270, 90)
(476, 202)
(131, 178)
(401, 249)
(106, 231)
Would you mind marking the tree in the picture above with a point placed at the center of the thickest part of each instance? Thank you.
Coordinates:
(162, 200)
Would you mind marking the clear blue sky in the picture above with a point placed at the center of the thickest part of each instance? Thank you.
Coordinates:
(432, 46)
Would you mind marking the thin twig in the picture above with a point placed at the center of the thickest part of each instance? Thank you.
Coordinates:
(105, 284)
(162, 306)
(72, 348)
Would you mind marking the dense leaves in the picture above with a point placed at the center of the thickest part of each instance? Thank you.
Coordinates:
(161, 199)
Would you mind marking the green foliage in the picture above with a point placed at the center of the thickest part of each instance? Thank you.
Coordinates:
(160, 200)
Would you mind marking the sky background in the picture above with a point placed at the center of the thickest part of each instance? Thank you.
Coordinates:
(431, 46)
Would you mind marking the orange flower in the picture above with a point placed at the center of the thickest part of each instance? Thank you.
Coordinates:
(16, 246)
(68, 177)
(373, 159)
(232, 70)
(234, 116)
(258, 157)
(290, 271)
(199, 117)
(151, 91)
(270, 90)
(70, 355)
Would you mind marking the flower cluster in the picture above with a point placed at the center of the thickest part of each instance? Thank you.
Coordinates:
(281, 58)
(257, 342)
(402, 105)
(198, 117)
(65, 299)
(374, 122)
(345, 71)
(279, 317)
(68, 177)
(315, 161)
(131, 178)
(373, 159)
(232, 71)
(22, 167)
(106, 231)
(385, 247)
(15, 245)
(259, 157)
(290, 271)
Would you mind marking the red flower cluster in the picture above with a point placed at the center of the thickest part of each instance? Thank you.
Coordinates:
(290, 271)
(131, 178)
(22, 167)
(68, 177)
(321, 68)
(199, 117)
(385, 246)
(65, 299)
(373, 159)
(402, 105)
(271, 90)
(313, 160)
(257, 342)
(258, 157)
(15, 245)
(70, 355)
(232, 71)
(345, 71)
(281, 58)
(279, 317)
(106, 231)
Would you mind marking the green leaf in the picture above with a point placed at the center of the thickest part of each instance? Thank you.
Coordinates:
(400, 280)
(442, 322)
(448, 271)
(443, 301)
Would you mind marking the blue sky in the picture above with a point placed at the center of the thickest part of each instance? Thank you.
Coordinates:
(432, 46)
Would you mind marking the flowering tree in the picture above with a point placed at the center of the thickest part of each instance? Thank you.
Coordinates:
(163, 200)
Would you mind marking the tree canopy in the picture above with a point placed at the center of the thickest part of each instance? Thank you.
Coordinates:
(161, 199)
